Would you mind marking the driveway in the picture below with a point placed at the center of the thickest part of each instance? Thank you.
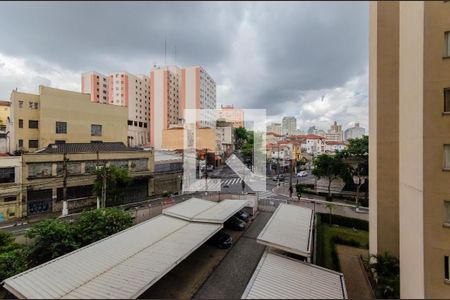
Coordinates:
(230, 278)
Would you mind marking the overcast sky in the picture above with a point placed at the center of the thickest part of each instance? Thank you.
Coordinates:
(309, 60)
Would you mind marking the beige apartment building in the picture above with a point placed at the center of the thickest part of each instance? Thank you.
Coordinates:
(59, 116)
(123, 89)
(231, 114)
(165, 98)
(409, 115)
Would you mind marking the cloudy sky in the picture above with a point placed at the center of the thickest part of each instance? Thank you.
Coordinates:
(309, 60)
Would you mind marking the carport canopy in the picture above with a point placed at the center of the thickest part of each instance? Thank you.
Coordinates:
(123, 265)
(200, 210)
(281, 277)
(289, 229)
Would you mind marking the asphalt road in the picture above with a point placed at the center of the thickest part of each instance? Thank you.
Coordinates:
(229, 279)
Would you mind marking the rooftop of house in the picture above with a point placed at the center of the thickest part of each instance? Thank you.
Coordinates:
(87, 147)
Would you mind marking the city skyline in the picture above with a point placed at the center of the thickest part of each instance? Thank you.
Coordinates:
(319, 87)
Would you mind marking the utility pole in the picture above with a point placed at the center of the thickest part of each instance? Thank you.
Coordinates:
(206, 171)
(65, 210)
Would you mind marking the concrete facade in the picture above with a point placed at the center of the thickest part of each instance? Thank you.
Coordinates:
(85, 121)
(10, 187)
(409, 71)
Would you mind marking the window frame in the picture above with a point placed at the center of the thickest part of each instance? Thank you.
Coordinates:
(98, 126)
(64, 127)
(446, 44)
(29, 144)
(33, 122)
(11, 175)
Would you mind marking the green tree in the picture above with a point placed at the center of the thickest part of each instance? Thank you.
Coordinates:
(13, 258)
(51, 238)
(330, 167)
(357, 153)
(97, 224)
(117, 182)
(330, 207)
(240, 136)
(387, 272)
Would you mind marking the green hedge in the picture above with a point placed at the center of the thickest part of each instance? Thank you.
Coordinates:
(346, 222)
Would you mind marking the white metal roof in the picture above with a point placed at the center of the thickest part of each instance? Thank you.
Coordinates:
(289, 229)
(280, 277)
(200, 210)
(123, 265)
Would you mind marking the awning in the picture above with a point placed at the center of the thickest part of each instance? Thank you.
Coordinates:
(199, 210)
(280, 277)
(289, 229)
(123, 265)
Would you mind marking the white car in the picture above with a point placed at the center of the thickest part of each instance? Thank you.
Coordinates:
(302, 174)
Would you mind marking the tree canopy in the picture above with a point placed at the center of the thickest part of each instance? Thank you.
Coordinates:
(117, 181)
(330, 167)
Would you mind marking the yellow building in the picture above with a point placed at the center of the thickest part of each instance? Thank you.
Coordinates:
(59, 116)
(4, 113)
(10, 187)
(173, 139)
(409, 115)
(42, 175)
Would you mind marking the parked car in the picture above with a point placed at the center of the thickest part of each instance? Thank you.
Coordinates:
(235, 224)
(221, 240)
(302, 174)
(242, 215)
(362, 210)
(278, 177)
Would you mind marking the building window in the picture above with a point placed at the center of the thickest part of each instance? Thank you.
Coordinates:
(33, 124)
(61, 127)
(447, 157)
(96, 130)
(7, 175)
(33, 144)
(447, 44)
(20, 104)
(446, 269)
(20, 123)
(447, 100)
(59, 142)
(10, 199)
(20, 143)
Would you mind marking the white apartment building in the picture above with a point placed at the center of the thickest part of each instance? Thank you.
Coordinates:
(289, 125)
(333, 146)
(198, 91)
(354, 132)
(123, 89)
(275, 128)
(314, 144)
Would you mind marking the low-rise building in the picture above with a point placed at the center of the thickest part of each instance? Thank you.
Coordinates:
(231, 114)
(333, 146)
(168, 176)
(354, 132)
(60, 116)
(43, 176)
(10, 187)
(314, 144)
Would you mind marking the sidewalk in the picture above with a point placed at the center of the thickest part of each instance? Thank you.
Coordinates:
(283, 190)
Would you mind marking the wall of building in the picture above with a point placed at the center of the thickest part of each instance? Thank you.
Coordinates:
(383, 127)
(10, 192)
(173, 139)
(436, 75)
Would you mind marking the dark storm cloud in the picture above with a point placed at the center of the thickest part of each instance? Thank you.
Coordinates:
(262, 55)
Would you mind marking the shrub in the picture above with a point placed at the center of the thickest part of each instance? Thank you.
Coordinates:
(348, 222)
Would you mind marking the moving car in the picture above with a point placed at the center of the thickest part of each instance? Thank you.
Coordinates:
(302, 174)
(242, 215)
(221, 240)
(235, 224)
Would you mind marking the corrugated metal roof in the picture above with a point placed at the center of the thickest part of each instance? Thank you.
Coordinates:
(121, 266)
(289, 229)
(221, 212)
(87, 147)
(280, 277)
(200, 210)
